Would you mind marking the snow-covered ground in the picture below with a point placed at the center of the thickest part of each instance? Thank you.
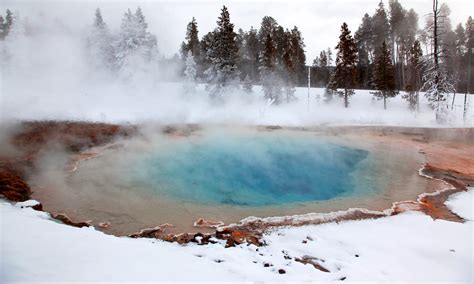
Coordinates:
(167, 103)
(407, 247)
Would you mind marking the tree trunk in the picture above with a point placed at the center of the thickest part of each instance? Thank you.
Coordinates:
(384, 102)
(468, 87)
(346, 99)
(454, 98)
(464, 115)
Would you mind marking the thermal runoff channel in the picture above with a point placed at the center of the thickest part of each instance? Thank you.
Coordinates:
(251, 170)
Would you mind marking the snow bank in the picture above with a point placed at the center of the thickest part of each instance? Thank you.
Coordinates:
(462, 204)
(406, 247)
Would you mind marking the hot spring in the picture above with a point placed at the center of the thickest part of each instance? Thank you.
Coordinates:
(258, 170)
(227, 174)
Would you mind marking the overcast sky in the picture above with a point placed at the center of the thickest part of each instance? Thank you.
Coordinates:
(319, 20)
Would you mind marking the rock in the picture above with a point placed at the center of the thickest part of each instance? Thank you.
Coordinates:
(13, 187)
(183, 238)
(104, 225)
(314, 261)
(235, 236)
(156, 233)
(207, 223)
(66, 220)
(230, 243)
(30, 204)
(38, 207)
(281, 271)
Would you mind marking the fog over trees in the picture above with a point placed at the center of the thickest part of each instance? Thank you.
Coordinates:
(393, 50)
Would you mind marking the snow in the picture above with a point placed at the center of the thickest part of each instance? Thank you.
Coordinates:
(406, 247)
(167, 103)
(459, 204)
(28, 203)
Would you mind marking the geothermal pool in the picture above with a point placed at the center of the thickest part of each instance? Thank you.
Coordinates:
(227, 174)
(256, 170)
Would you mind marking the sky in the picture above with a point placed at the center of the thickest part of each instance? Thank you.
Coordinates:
(318, 20)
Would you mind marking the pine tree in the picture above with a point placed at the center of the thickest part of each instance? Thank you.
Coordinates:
(437, 81)
(469, 62)
(267, 27)
(8, 22)
(320, 72)
(223, 73)
(16, 28)
(414, 76)
(270, 81)
(298, 56)
(402, 35)
(345, 74)
(396, 22)
(470, 55)
(98, 20)
(287, 65)
(251, 53)
(99, 43)
(2, 28)
(329, 56)
(134, 41)
(190, 73)
(380, 27)
(363, 38)
(459, 51)
(384, 75)
(192, 40)
(207, 53)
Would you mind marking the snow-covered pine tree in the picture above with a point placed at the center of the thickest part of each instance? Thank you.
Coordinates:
(251, 54)
(7, 24)
(100, 43)
(223, 73)
(364, 38)
(191, 42)
(345, 74)
(207, 50)
(414, 76)
(2, 28)
(15, 26)
(134, 41)
(288, 71)
(190, 74)
(270, 82)
(267, 27)
(247, 85)
(298, 56)
(384, 78)
(469, 62)
(437, 81)
(380, 27)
